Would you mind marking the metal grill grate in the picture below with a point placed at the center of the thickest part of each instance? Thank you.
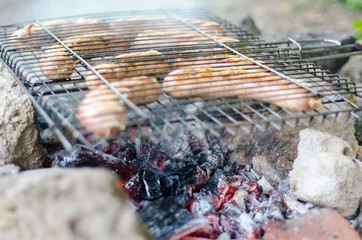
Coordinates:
(229, 78)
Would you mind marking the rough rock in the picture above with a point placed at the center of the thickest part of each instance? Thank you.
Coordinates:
(66, 204)
(357, 222)
(358, 124)
(353, 71)
(247, 23)
(326, 172)
(275, 150)
(19, 135)
(8, 169)
(315, 225)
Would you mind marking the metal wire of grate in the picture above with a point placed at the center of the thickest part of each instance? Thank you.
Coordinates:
(169, 70)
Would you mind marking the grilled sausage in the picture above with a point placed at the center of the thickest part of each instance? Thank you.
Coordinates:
(102, 113)
(209, 27)
(140, 90)
(136, 25)
(56, 63)
(110, 71)
(241, 83)
(96, 44)
(148, 63)
(171, 39)
(203, 61)
(33, 36)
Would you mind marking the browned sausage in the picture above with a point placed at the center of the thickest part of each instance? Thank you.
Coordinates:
(136, 25)
(209, 27)
(102, 113)
(140, 90)
(56, 63)
(130, 64)
(150, 63)
(110, 71)
(96, 44)
(33, 36)
(170, 39)
(241, 83)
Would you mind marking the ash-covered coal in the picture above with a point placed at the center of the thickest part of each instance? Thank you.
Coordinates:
(166, 219)
(185, 187)
(82, 156)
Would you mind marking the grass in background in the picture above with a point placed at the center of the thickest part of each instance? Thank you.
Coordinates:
(357, 25)
(354, 4)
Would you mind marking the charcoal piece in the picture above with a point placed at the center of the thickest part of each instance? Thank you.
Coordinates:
(150, 185)
(252, 204)
(202, 204)
(149, 154)
(197, 144)
(176, 146)
(166, 219)
(238, 223)
(213, 141)
(218, 182)
(133, 188)
(211, 231)
(275, 210)
(210, 160)
(82, 156)
(122, 148)
(156, 183)
(198, 179)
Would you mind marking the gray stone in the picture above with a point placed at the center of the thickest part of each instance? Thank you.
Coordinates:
(326, 173)
(352, 70)
(8, 169)
(19, 135)
(66, 204)
(247, 23)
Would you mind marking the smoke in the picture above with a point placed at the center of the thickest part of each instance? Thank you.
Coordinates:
(17, 11)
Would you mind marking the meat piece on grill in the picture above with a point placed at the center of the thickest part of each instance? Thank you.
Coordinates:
(97, 44)
(33, 36)
(140, 90)
(136, 25)
(102, 113)
(56, 63)
(207, 61)
(183, 40)
(110, 71)
(150, 63)
(239, 82)
(209, 27)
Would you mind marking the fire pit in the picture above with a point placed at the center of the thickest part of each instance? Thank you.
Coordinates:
(150, 95)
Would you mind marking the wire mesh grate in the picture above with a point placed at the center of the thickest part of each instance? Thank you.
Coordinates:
(160, 71)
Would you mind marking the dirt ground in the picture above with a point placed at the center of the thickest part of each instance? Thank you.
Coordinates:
(280, 16)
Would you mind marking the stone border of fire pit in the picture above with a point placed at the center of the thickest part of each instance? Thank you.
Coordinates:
(19, 134)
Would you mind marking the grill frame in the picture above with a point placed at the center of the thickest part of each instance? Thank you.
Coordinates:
(252, 112)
